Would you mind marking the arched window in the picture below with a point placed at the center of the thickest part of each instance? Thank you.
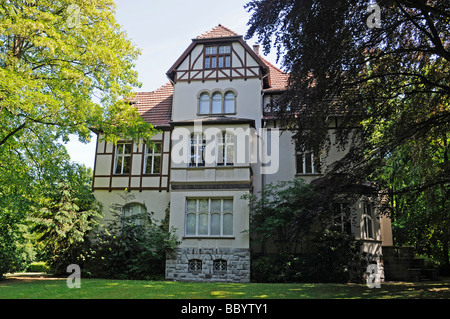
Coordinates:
(230, 103)
(216, 107)
(134, 214)
(204, 103)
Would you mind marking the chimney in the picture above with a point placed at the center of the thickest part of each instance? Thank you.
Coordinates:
(256, 48)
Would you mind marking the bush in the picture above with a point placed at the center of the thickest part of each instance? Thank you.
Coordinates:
(37, 266)
(337, 259)
(128, 251)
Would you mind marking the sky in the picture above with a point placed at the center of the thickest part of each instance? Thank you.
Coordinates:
(163, 30)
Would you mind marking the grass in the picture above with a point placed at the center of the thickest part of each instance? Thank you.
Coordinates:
(53, 288)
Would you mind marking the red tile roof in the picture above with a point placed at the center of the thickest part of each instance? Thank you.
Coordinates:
(218, 32)
(278, 79)
(156, 106)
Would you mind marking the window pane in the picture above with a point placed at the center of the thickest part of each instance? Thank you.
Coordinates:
(215, 224)
(127, 148)
(215, 205)
(118, 165)
(191, 224)
(227, 205)
(308, 163)
(203, 224)
(156, 164)
(191, 205)
(204, 104)
(299, 160)
(221, 62)
(211, 50)
(228, 224)
(157, 148)
(224, 49)
(203, 205)
(229, 102)
(217, 103)
(230, 154)
(227, 61)
(213, 62)
(126, 164)
(207, 63)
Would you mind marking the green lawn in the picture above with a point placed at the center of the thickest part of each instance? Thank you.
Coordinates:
(136, 289)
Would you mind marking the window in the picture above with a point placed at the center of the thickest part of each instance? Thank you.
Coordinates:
(197, 150)
(230, 102)
(217, 56)
(209, 217)
(306, 163)
(122, 158)
(225, 149)
(219, 266)
(134, 214)
(368, 221)
(342, 218)
(204, 103)
(195, 265)
(152, 162)
(217, 104)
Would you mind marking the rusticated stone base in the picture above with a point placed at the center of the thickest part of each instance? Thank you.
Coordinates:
(208, 265)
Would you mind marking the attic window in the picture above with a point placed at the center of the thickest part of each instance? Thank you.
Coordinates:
(217, 56)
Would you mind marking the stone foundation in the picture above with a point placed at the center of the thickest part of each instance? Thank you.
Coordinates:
(208, 265)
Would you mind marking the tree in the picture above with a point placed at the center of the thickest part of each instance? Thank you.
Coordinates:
(66, 67)
(388, 86)
(52, 70)
(65, 214)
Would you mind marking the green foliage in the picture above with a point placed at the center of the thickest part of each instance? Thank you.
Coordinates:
(68, 212)
(283, 213)
(57, 78)
(37, 266)
(336, 258)
(128, 250)
(389, 89)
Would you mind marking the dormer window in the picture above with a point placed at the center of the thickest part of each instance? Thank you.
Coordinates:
(217, 56)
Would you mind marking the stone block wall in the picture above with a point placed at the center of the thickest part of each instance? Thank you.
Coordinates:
(208, 265)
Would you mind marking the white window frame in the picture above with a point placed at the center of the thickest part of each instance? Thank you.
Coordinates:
(197, 150)
(225, 98)
(150, 156)
(368, 229)
(314, 170)
(120, 153)
(225, 146)
(222, 215)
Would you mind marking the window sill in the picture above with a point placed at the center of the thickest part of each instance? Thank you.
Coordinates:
(215, 114)
(208, 237)
(302, 174)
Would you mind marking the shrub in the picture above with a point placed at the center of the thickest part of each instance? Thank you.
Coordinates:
(37, 266)
(338, 258)
(125, 250)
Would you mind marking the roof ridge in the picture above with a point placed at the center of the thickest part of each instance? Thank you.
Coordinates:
(218, 32)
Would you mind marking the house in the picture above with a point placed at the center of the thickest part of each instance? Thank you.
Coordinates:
(217, 141)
